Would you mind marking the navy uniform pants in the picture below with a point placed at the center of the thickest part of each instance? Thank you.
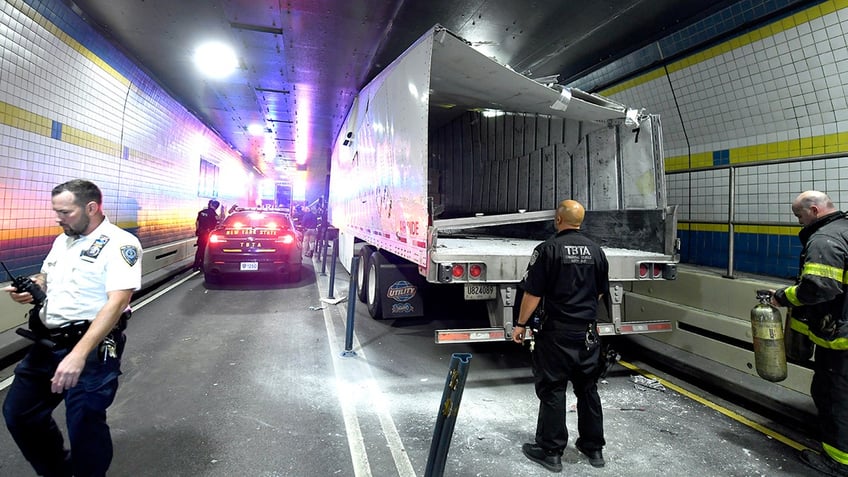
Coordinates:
(559, 357)
(29, 406)
(829, 390)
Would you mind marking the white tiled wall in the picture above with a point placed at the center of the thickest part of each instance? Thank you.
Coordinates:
(47, 78)
(788, 85)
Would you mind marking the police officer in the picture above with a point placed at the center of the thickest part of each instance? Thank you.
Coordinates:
(820, 298)
(568, 275)
(207, 220)
(89, 276)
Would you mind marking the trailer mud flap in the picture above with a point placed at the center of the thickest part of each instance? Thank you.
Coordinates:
(400, 286)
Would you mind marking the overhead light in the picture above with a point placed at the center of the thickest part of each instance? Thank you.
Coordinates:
(215, 59)
(255, 129)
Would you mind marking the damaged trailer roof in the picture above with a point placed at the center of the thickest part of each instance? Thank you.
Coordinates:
(461, 79)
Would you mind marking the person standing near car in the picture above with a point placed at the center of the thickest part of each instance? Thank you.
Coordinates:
(89, 277)
(571, 273)
(207, 220)
(309, 222)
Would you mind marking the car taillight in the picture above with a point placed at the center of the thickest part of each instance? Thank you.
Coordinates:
(286, 239)
(216, 238)
(458, 271)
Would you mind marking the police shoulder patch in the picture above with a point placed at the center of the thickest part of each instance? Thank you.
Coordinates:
(130, 254)
(534, 257)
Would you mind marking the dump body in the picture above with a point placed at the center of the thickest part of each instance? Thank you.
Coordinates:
(455, 163)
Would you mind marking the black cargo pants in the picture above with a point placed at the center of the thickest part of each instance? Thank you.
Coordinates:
(829, 390)
(561, 356)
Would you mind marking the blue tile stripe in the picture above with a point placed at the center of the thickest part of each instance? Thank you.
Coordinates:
(762, 254)
(56, 130)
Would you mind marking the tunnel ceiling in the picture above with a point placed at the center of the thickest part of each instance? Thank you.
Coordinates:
(302, 61)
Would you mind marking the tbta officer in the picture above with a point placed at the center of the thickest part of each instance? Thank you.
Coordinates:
(207, 220)
(89, 276)
(819, 298)
(571, 273)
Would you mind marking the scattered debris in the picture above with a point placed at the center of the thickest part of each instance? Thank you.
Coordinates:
(642, 383)
(334, 301)
(314, 308)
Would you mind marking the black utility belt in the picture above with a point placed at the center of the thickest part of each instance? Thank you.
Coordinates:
(59, 338)
(68, 334)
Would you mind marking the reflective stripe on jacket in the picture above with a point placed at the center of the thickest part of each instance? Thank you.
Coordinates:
(818, 297)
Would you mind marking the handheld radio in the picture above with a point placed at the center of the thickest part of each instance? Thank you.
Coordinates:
(25, 284)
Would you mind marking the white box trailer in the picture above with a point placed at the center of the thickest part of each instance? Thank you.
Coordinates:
(448, 168)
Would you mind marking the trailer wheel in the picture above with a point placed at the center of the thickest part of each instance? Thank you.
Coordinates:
(362, 273)
(373, 286)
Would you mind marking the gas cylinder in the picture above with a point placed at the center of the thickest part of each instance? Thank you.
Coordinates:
(799, 348)
(767, 331)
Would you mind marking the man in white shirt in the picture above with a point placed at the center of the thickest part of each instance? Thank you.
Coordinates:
(89, 277)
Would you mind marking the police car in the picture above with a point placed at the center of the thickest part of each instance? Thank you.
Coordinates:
(254, 242)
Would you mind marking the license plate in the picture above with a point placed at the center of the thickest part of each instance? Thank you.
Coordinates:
(249, 266)
(480, 292)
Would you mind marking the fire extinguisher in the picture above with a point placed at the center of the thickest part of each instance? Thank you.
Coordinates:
(767, 331)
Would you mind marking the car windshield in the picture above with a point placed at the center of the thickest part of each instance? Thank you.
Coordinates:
(257, 220)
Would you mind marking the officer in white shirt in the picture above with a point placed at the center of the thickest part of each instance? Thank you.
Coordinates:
(89, 277)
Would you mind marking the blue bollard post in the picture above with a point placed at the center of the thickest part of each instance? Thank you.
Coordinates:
(323, 258)
(351, 308)
(333, 268)
(448, 410)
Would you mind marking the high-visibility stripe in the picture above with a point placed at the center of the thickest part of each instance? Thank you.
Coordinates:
(822, 270)
(839, 344)
(792, 295)
(835, 454)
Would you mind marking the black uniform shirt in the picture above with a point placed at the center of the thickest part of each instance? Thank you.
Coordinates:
(207, 219)
(569, 271)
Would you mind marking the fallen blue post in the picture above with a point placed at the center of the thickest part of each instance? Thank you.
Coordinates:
(448, 409)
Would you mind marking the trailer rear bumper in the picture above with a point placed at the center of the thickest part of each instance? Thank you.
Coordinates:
(477, 335)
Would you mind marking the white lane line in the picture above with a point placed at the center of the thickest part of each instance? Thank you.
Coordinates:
(355, 441)
(379, 403)
(161, 292)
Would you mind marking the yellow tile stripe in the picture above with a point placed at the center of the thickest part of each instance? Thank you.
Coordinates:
(766, 31)
(19, 118)
(742, 229)
(802, 147)
(87, 140)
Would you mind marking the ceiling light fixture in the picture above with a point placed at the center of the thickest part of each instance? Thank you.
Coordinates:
(215, 59)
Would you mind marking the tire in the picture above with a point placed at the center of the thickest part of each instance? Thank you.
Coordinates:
(361, 274)
(373, 286)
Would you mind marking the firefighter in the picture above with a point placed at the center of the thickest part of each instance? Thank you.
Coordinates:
(818, 298)
(568, 274)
